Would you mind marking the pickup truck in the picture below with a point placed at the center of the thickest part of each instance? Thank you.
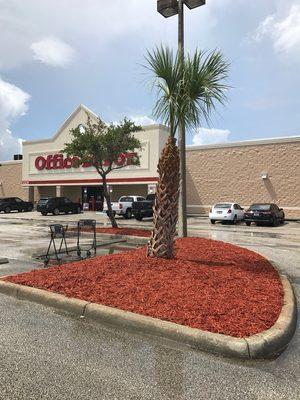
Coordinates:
(143, 209)
(124, 205)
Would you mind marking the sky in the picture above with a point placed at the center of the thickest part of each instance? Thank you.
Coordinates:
(56, 54)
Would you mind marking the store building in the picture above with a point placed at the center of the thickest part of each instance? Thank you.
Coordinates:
(245, 172)
(47, 172)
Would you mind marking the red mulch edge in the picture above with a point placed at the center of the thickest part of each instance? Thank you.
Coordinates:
(210, 285)
(121, 231)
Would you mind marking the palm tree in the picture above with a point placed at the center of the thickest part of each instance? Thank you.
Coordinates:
(188, 91)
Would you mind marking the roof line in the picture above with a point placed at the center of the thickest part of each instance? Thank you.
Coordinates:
(251, 142)
(65, 123)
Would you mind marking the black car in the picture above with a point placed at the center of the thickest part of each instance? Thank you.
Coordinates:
(57, 205)
(8, 204)
(143, 209)
(264, 213)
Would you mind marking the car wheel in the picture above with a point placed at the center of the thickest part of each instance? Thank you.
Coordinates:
(29, 209)
(128, 214)
(44, 213)
(234, 220)
(248, 223)
(7, 210)
(273, 221)
(55, 211)
(139, 218)
(212, 221)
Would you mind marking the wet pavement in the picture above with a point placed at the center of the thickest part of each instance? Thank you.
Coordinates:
(47, 354)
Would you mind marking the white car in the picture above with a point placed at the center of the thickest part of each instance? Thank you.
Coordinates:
(123, 206)
(226, 212)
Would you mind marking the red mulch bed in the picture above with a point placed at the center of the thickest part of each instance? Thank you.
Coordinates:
(210, 285)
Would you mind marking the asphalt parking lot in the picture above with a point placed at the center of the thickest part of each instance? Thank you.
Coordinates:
(47, 354)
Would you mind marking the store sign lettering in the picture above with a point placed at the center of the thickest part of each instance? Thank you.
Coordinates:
(58, 161)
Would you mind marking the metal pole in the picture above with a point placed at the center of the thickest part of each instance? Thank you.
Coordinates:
(182, 219)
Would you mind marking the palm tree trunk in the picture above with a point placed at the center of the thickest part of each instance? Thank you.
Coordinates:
(165, 210)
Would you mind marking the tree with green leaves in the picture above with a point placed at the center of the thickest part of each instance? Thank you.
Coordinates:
(105, 148)
(188, 91)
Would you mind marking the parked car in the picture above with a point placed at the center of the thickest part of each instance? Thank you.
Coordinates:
(57, 205)
(226, 212)
(264, 213)
(123, 206)
(8, 204)
(143, 209)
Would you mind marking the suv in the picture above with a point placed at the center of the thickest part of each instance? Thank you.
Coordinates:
(56, 205)
(8, 204)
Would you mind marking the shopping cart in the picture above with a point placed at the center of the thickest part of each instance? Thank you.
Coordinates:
(58, 234)
(86, 226)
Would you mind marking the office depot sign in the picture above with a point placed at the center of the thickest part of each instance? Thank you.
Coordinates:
(59, 161)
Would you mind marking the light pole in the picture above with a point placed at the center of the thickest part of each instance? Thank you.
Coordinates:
(168, 8)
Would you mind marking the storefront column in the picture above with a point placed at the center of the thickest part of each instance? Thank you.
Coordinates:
(29, 193)
(58, 191)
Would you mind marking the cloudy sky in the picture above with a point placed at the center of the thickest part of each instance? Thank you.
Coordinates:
(56, 54)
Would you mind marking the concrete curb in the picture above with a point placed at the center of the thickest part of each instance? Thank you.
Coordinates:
(263, 345)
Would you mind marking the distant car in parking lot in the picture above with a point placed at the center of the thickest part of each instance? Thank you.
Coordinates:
(264, 213)
(143, 209)
(123, 206)
(226, 212)
(57, 205)
(8, 204)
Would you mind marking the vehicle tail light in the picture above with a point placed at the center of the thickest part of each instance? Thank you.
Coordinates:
(229, 211)
(120, 206)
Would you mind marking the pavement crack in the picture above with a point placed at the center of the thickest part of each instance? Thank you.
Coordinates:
(84, 308)
(248, 348)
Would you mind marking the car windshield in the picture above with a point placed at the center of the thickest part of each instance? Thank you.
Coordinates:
(126, 199)
(222, 205)
(260, 207)
(43, 201)
(151, 197)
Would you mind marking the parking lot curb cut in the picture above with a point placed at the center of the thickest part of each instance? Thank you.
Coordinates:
(262, 345)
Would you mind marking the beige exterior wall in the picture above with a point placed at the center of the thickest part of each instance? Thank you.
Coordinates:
(233, 172)
(10, 180)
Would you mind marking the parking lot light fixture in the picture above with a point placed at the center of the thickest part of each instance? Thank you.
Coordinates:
(194, 3)
(167, 8)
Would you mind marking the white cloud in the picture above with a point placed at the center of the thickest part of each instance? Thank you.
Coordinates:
(13, 104)
(210, 136)
(142, 120)
(53, 51)
(283, 31)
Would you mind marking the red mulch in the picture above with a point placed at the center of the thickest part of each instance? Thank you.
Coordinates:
(210, 285)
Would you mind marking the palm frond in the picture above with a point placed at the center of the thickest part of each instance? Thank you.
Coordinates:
(190, 90)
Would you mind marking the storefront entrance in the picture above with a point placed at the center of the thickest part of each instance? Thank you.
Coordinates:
(92, 198)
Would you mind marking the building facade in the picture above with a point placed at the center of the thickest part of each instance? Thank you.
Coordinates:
(244, 172)
(48, 172)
